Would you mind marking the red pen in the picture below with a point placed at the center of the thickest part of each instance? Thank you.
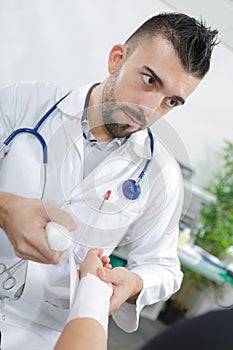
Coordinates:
(106, 198)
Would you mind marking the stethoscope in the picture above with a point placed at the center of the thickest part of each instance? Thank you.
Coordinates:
(131, 188)
(34, 132)
(10, 281)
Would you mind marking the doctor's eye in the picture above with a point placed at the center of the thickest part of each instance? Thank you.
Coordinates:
(171, 102)
(148, 80)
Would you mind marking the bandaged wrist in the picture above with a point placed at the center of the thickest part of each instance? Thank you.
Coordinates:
(92, 300)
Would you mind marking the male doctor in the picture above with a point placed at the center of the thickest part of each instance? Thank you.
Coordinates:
(97, 140)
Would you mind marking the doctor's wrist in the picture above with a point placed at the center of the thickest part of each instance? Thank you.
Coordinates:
(137, 284)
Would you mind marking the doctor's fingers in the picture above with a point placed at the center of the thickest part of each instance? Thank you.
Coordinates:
(60, 216)
(37, 249)
(117, 276)
(36, 256)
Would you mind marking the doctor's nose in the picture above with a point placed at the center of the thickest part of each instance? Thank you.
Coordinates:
(155, 106)
(158, 103)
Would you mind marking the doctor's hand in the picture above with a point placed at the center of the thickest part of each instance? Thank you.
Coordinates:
(126, 286)
(24, 221)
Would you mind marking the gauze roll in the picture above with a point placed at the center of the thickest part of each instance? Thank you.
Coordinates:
(58, 236)
(92, 300)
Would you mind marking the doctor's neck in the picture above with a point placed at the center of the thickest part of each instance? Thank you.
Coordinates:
(95, 114)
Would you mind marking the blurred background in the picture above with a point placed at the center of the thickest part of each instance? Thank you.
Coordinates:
(67, 42)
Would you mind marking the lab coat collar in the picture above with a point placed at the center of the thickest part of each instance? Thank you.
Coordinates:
(140, 144)
(73, 106)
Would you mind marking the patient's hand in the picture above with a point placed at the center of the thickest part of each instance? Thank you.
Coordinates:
(93, 261)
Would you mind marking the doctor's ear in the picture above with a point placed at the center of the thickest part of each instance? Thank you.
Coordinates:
(116, 57)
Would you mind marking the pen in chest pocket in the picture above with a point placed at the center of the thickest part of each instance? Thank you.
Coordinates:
(106, 198)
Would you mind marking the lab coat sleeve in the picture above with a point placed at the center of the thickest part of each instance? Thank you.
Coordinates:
(153, 248)
(7, 113)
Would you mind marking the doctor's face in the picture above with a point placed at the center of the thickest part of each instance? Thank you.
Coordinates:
(143, 86)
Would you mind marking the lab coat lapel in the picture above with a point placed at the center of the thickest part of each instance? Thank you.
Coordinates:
(65, 161)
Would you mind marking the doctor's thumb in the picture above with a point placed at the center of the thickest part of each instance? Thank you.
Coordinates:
(61, 217)
(110, 276)
(65, 219)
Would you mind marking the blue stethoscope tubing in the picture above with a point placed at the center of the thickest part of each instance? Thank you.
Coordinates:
(130, 188)
(34, 131)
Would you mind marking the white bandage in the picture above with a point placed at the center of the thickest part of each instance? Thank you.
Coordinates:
(58, 236)
(92, 300)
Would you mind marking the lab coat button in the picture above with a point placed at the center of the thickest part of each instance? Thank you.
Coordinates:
(3, 317)
(68, 202)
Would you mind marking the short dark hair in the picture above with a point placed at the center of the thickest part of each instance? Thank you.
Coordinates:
(191, 39)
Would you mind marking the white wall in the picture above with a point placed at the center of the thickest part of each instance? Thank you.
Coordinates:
(67, 42)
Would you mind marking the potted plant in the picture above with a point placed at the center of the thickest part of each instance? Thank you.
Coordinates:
(214, 233)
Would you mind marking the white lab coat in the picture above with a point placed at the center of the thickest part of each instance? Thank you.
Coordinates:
(152, 220)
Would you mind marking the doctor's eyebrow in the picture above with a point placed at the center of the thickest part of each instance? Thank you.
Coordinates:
(178, 98)
(161, 84)
(154, 75)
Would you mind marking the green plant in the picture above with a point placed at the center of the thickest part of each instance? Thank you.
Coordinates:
(215, 232)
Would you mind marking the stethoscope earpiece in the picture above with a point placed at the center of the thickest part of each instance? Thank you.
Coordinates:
(131, 189)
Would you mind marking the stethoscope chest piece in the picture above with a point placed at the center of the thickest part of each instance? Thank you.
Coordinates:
(131, 189)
